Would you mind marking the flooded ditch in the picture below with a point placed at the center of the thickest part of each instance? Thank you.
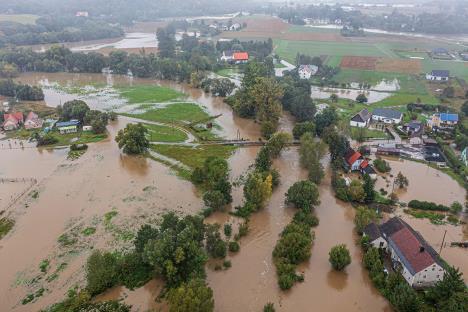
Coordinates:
(73, 195)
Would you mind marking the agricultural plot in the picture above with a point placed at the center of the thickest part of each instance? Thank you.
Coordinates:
(359, 62)
(26, 19)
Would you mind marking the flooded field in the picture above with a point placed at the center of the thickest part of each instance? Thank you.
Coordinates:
(114, 194)
(425, 183)
(372, 96)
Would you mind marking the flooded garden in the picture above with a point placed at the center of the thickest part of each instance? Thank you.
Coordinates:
(101, 199)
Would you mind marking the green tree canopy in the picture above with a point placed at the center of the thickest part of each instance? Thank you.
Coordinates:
(193, 296)
(339, 257)
(133, 139)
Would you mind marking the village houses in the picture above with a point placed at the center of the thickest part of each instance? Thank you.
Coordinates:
(443, 120)
(388, 116)
(438, 75)
(410, 254)
(307, 71)
(361, 119)
(12, 121)
(354, 161)
(33, 121)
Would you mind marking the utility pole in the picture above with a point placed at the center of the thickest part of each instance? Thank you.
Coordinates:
(443, 240)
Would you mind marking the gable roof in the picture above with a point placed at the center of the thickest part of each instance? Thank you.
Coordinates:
(363, 116)
(308, 68)
(32, 116)
(411, 251)
(352, 156)
(228, 53)
(407, 243)
(241, 56)
(373, 231)
(387, 113)
(440, 73)
(18, 116)
(448, 117)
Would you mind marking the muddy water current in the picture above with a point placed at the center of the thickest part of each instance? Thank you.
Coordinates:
(73, 195)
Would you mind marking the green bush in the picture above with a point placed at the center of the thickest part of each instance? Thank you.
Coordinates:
(381, 165)
(234, 246)
(424, 205)
(339, 257)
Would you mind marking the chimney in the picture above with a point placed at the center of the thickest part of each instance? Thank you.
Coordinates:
(421, 248)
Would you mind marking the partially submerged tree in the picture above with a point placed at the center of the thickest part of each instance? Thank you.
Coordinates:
(193, 296)
(304, 195)
(339, 257)
(401, 180)
(133, 139)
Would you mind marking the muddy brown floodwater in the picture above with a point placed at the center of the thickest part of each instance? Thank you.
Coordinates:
(78, 193)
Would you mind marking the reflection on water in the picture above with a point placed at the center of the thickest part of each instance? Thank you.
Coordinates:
(337, 280)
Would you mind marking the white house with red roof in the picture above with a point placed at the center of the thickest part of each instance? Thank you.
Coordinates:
(12, 121)
(33, 121)
(354, 160)
(411, 255)
(240, 57)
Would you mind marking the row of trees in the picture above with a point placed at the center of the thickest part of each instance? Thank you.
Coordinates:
(259, 97)
(262, 179)
(23, 92)
(56, 29)
(447, 22)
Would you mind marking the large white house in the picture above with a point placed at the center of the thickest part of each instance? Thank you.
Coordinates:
(386, 115)
(411, 255)
(361, 119)
(307, 71)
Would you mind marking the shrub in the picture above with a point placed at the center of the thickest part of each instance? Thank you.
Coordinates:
(227, 264)
(339, 257)
(234, 246)
(381, 165)
(424, 205)
(228, 230)
(269, 307)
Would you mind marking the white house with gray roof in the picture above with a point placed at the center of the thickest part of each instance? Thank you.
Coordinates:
(388, 116)
(361, 119)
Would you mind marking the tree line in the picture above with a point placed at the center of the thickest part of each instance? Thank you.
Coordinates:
(56, 29)
(447, 22)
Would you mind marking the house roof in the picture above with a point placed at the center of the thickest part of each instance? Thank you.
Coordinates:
(439, 51)
(407, 243)
(241, 56)
(368, 170)
(448, 117)
(372, 230)
(363, 116)
(411, 251)
(387, 113)
(18, 116)
(32, 116)
(67, 123)
(352, 156)
(228, 53)
(308, 68)
(441, 73)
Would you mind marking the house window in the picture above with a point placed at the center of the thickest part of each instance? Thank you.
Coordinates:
(437, 276)
(424, 276)
(381, 244)
(433, 269)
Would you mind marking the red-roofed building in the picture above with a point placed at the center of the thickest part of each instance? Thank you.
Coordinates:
(353, 160)
(240, 57)
(12, 121)
(411, 255)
